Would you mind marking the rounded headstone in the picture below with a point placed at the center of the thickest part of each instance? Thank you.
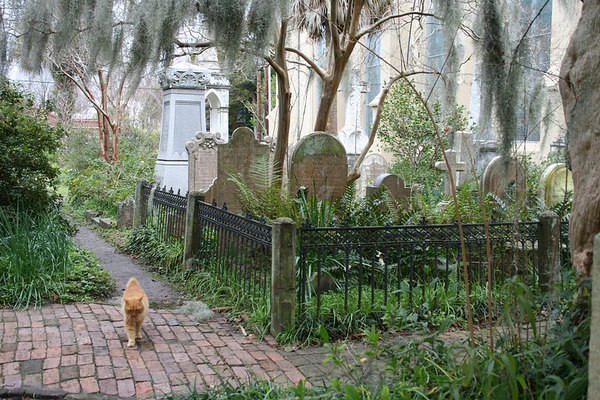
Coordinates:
(556, 181)
(319, 163)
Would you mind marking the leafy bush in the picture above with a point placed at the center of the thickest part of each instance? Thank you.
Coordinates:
(40, 263)
(99, 185)
(27, 145)
(163, 257)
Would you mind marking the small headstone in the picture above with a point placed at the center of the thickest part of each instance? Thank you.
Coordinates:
(105, 223)
(395, 186)
(319, 163)
(202, 160)
(502, 173)
(455, 166)
(372, 166)
(555, 182)
(125, 211)
(322, 283)
(89, 214)
(238, 156)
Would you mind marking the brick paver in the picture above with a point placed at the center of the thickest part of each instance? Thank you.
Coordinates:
(81, 348)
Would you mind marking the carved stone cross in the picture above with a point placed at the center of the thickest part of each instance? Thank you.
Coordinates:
(455, 166)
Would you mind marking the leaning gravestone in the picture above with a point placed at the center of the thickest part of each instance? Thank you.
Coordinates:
(319, 163)
(501, 174)
(555, 182)
(372, 166)
(202, 160)
(395, 186)
(237, 156)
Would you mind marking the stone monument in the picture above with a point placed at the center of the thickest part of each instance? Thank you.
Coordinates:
(372, 166)
(395, 186)
(238, 156)
(502, 173)
(455, 167)
(319, 163)
(556, 181)
(184, 113)
(202, 160)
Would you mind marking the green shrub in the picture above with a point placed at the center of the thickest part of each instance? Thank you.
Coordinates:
(27, 145)
(164, 257)
(40, 263)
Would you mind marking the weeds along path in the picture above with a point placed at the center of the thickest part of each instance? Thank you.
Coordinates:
(122, 267)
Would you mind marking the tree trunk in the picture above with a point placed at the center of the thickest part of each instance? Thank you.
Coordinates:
(580, 92)
(284, 97)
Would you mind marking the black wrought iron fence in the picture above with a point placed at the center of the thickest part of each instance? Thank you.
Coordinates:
(235, 247)
(565, 252)
(168, 213)
(408, 266)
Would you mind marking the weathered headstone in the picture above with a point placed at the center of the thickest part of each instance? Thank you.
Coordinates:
(372, 166)
(455, 166)
(395, 186)
(319, 163)
(502, 173)
(237, 156)
(555, 182)
(125, 211)
(202, 160)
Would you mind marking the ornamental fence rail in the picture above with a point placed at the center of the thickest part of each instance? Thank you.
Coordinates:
(368, 268)
(407, 266)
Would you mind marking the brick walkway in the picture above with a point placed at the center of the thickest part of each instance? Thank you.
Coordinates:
(81, 348)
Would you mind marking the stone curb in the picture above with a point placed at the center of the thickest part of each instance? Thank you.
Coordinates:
(45, 393)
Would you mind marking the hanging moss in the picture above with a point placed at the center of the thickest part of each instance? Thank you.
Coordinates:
(451, 14)
(500, 77)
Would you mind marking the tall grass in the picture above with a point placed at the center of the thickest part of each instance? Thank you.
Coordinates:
(37, 258)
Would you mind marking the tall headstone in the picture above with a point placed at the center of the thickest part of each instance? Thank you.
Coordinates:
(319, 163)
(395, 186)
(238, 156)
(372, 166)
(454, 166)
(501, 174)
(555, 182)
(202, 160)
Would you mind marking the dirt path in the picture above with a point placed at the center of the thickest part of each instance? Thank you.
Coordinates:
(122, 267)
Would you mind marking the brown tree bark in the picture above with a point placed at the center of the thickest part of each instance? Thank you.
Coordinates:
(580, 92)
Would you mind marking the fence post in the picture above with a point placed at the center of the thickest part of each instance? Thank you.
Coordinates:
(594, 350)
(283, 275)
(549, 250)
(190, 243)
(139, 197)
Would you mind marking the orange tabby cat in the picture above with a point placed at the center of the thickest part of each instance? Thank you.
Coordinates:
(135, 308)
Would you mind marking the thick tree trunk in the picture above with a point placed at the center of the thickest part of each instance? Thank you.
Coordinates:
(580, 91)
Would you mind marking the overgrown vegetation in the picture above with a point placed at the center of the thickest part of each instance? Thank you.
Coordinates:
(528, 361)
(39, 262)
(98, 185)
